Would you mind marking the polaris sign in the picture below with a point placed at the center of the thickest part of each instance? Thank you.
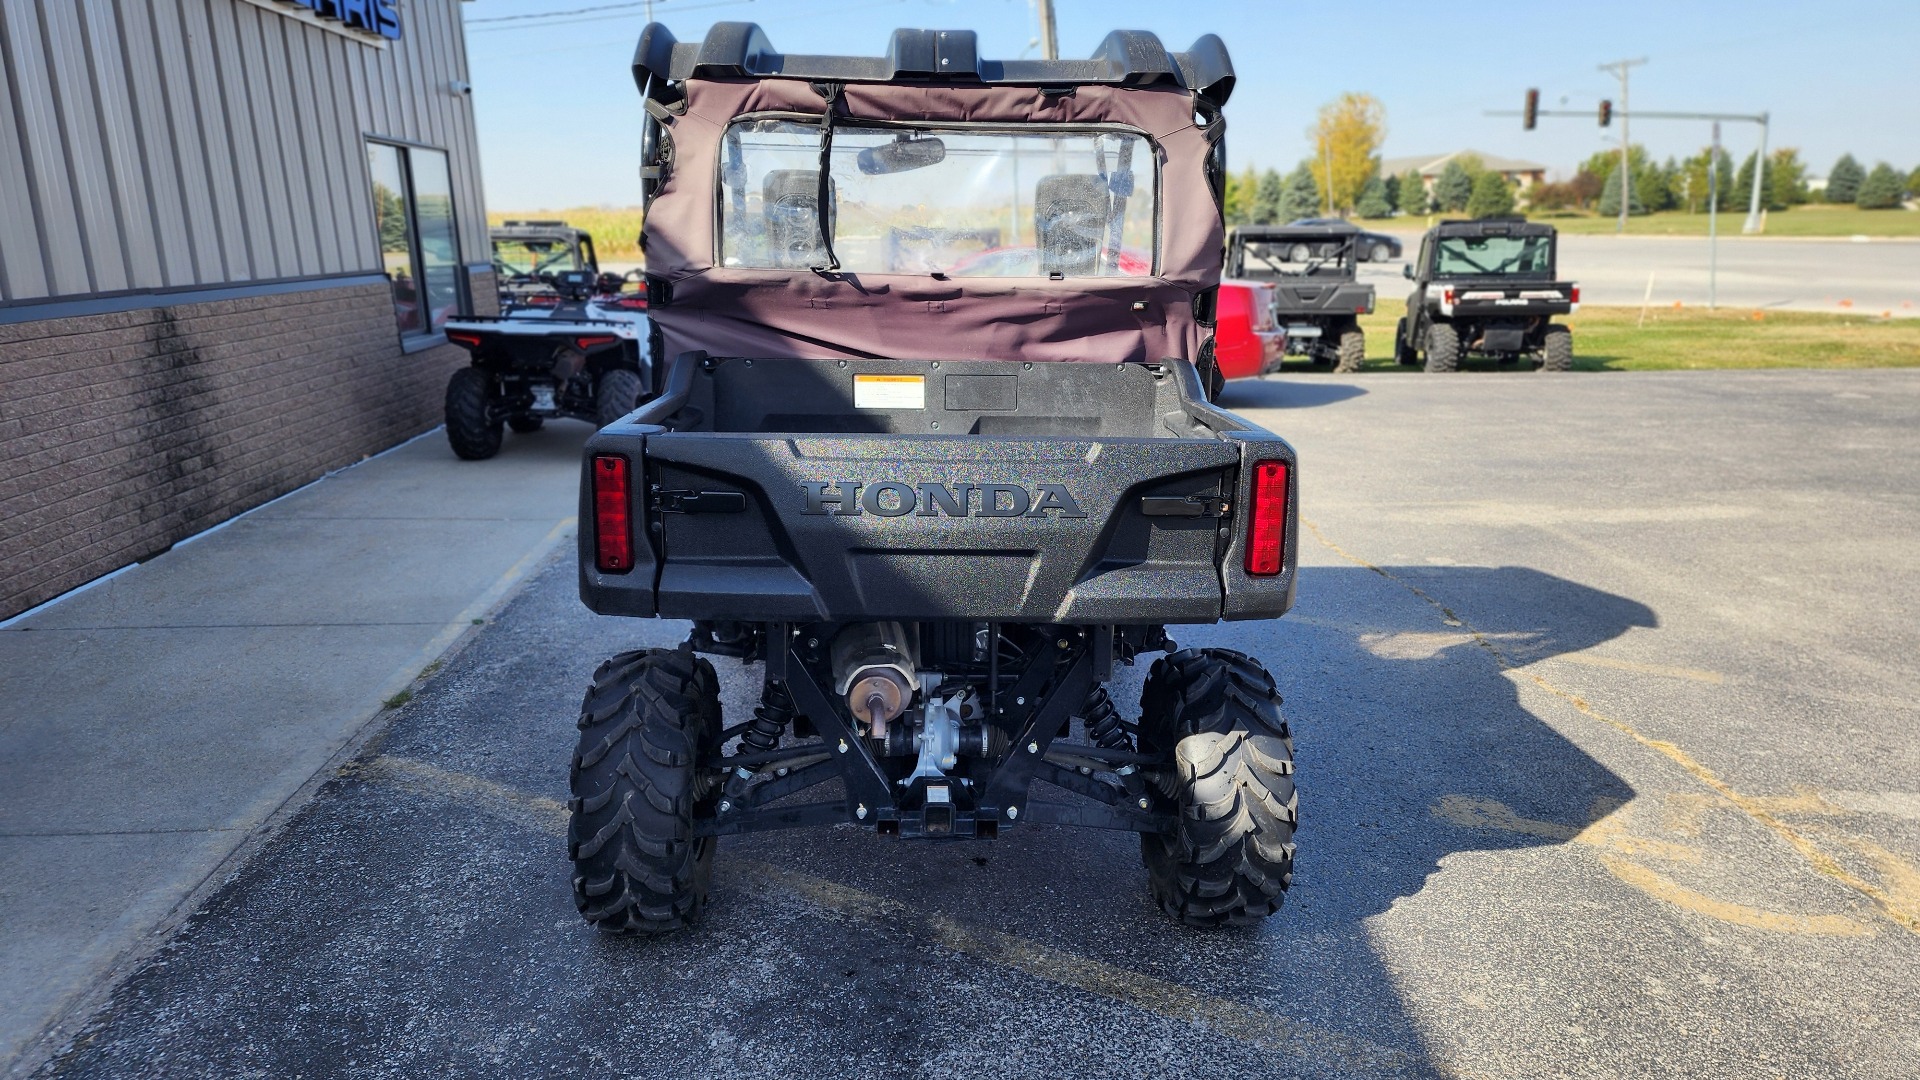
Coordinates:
(367, 16)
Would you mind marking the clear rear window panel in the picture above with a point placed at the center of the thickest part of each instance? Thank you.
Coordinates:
(1494, 256)
(952, 199)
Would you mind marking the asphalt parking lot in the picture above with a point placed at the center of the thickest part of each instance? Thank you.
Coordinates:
(1604, 695)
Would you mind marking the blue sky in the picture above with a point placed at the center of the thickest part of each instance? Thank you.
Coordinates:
(559, 117)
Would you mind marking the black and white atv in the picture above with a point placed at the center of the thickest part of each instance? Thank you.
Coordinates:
(579, 349)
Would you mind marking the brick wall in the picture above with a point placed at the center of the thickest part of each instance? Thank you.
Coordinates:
(121, 434)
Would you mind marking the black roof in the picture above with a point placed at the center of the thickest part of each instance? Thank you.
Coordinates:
(1296, 232)
(1494, 226)
(1125, 58)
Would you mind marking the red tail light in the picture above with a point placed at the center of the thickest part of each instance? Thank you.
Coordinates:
(1576, 294)
(612, 515)
(471, 341)
(594, 342)
(1446, 296)
(1267, 535)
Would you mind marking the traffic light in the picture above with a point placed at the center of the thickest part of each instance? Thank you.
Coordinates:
(1533, 109)
(1606, 112)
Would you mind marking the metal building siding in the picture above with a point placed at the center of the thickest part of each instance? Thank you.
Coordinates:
(158, 144)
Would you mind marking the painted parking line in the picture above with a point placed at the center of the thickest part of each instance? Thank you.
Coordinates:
(1168, 1000)
(1895, 900)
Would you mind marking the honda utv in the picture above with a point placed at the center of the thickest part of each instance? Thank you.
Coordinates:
(1316, 298)
(936, 497)
(1487, 288)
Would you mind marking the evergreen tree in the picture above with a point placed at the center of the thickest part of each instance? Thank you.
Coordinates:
(1267, 199)
(1883, 189)
(1843, 183)
(1786, 179)
(1413, 192)
(1373, 201)
(1453, 187)
(1390, 189)
(1610, 196)
(1652, 188)
(1301, 198)
(1491, 196)
(1913, 182)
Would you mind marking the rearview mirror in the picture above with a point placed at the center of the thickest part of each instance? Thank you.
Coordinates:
(902, 155)
(1406, 271)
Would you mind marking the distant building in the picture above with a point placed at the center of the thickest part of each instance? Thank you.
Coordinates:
(1523, 174)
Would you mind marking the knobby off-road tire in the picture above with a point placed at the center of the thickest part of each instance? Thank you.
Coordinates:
(1217, 713)
(1443, 348)
(1353, 350)
(1558, 354)
(615, 395)
(472, 434)
(526, 425)
(1404, 353)
(649, 721)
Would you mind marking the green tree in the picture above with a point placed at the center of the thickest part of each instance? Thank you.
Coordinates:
(1302, 195)
(1373, 201)
(1413, 192)
(1390, 189)
(1692, 182)
(1267, 199)
(1652, 186)
(1843, 182)
(1786, 179)
(1491, 196)
(1241, 190)
(1610, 196)
(1453, 187)
(1883, 189)
(1913, 182)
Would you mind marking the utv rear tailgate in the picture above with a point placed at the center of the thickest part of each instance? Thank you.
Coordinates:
(917, 523)
(1479, 300)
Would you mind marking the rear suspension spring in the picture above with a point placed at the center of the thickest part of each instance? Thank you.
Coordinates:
(770, 720)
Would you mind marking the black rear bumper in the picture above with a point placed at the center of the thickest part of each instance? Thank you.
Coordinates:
(765, 495)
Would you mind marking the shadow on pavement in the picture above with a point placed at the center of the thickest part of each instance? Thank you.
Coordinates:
(419, 922)
(1273, 393)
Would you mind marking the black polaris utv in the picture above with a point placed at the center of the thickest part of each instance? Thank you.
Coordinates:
(1487, 288)
(527, 255)
(937, 497)
(1315, 297)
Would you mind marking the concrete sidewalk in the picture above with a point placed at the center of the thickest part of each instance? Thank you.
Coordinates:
(150, 725)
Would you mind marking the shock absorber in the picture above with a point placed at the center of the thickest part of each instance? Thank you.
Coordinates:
(770, 720)
(1103, 721)
(1105, 729)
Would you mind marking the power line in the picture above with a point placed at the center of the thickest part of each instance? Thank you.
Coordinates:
(591, 14)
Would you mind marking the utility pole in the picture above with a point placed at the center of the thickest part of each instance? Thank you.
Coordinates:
(649, 12)
(1620, 69)
(1049, 38)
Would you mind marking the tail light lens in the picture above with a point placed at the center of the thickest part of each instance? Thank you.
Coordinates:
(471, 341)
(612, 515)
(1267, 535)
(594, 342)
(1446, 296)
(1576, 294)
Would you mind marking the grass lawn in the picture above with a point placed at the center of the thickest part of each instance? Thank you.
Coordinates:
(1607, 339)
